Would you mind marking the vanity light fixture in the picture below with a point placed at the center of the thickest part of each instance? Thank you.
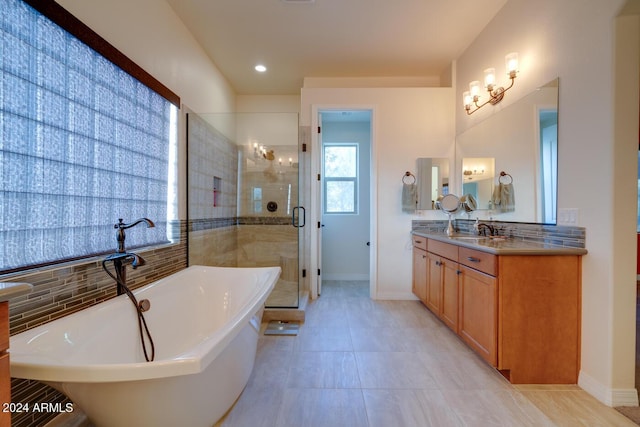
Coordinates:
(471, 98)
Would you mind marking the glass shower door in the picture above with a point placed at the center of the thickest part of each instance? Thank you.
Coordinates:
(243, 195)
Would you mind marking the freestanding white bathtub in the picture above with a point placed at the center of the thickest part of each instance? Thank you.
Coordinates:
(204, 322)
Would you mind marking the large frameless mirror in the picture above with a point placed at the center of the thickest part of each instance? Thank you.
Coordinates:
(522, 140)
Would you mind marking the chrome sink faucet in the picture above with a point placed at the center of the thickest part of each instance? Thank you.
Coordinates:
(121, 258)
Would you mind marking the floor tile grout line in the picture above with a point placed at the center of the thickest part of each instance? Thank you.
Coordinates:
(482, 384)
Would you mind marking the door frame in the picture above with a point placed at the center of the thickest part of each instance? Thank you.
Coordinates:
(315, 251)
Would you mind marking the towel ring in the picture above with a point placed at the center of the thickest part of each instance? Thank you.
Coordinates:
(408, 174)
(503, 174)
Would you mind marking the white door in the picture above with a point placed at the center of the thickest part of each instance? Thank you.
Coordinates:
(320, 192)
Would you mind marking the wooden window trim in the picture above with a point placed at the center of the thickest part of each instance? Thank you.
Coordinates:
(81, 31)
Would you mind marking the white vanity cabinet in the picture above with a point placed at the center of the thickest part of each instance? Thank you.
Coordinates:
(518, 309)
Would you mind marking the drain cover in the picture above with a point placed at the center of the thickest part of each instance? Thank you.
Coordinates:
(280, 327)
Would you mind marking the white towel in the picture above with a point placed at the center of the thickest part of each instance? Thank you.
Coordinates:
(409, 197)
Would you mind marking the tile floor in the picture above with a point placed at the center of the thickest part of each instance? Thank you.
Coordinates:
(360, 362)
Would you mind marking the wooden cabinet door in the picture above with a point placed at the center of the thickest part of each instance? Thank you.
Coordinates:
(5, 389)
(478, 313)
(419, 285)
(434, 282)
(4, 326)
(5, 376)
(449, 315)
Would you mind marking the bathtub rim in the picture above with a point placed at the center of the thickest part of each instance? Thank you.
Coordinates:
(193, 361)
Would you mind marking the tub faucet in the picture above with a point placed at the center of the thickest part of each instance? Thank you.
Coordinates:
(121, 258)
(121, 226)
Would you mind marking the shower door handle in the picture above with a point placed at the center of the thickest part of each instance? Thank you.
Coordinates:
(293, 217)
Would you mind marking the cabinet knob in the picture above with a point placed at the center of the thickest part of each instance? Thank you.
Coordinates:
(458, 272)
(438, 263)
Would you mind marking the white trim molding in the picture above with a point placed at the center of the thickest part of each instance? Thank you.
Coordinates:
(609, 396)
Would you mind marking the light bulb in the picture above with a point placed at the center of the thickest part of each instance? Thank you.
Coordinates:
(467, 99)
(511, 62)
(489, 78)
(474, 88)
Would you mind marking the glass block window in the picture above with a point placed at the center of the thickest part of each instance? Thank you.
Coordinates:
(82, 143)
(340, 163)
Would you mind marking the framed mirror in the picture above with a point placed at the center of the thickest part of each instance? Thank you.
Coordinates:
(522, 138)
(433, 181)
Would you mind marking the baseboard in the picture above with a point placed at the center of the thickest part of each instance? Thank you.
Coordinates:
(351, 277)
(608, 396)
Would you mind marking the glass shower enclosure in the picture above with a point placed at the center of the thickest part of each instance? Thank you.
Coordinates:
(242, 201)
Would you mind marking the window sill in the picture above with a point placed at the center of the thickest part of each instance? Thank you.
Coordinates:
(97, 259)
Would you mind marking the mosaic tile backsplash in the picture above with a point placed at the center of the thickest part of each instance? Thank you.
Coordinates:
(551, 234)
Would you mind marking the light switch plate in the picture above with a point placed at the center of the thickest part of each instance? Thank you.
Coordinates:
(568, 216)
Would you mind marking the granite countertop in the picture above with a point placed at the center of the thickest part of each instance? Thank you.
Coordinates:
(14, 289)
(502, 245)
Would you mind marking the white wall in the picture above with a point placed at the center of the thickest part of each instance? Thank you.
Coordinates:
(407, 123)
(268, 104)
(575, 41)
(152, 35)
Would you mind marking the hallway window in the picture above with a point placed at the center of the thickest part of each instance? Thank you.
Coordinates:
(82, 143)
(340, 164)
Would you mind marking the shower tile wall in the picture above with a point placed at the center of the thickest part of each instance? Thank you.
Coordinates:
(212, 229)
(268, 238)
(213, 246)
(262, 246)
(264, 181)
(63, 290)
(248, 234)
(211, 154)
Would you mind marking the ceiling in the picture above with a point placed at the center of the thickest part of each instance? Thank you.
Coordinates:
(331, 38)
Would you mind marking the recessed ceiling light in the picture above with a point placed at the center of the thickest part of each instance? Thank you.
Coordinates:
(260, 68)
